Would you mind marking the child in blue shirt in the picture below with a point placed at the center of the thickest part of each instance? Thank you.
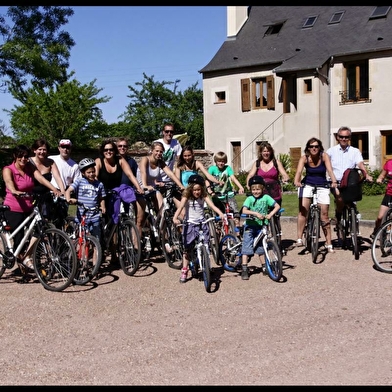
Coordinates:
(259, 206)
(90, 192)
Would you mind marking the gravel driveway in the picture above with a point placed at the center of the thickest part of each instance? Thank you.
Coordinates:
(324, 324)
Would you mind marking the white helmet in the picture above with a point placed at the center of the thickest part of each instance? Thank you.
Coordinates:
(86, 163)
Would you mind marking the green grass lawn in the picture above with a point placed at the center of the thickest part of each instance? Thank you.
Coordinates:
(368, 206)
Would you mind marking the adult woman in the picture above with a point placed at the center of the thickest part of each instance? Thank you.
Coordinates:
(187, 165)
(48, 168)
(19, 178)
(148, 173)
(316, 165)
(270, 168)
(109, 169)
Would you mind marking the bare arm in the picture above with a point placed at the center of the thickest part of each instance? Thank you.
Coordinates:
(57, 177)
(143, 172)
(361, 165)
(98, 166)
(42, 180)
(210, 177)
(170, 174)
(300, 168)
(282, 171)
(328, 165)
(179, 210)
(128, 172)
(233, 178)
(251, 173)
(9, 181)
(213, 207)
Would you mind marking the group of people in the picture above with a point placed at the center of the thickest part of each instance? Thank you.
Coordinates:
(167, 161)
(325, 169)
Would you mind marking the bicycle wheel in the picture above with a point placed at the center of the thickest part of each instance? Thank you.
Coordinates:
(308, 233)
(344, 227)
(129, 246)
(3, 247)
(354, 232)
(206, 267)
(213, 242)
(274, 227)
(55, 260)
(171, 234)
(89, 254)
(314, 234)
(382, 247)
(230, 252)
(273, 261)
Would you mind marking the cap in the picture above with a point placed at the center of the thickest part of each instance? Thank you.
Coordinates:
(65, 142)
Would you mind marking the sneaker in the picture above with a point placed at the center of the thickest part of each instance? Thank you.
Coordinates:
(184, 274)
(329, 248)
(299, 242)
(168, 248)
(245, 273)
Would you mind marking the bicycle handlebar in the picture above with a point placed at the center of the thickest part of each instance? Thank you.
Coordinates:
(251, 217)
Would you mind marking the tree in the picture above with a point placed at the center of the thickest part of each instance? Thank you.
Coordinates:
(155, 103)
(34, 49)
(68, 110)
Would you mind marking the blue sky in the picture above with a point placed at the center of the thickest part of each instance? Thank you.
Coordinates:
(115, 45)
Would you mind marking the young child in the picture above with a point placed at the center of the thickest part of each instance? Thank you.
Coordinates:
(192, 200)
(258, 206)
(224, 173)
(91, 193)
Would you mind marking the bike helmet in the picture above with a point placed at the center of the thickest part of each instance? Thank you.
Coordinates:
(85, 163)
(196, 179)
(256, 180)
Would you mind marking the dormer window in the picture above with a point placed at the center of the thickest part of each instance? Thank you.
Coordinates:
(274, 29)
(380, 12)
(336, 17)
(310, 21)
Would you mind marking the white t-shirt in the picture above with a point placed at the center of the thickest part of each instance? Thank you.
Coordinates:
(172, 151)
(69, 170)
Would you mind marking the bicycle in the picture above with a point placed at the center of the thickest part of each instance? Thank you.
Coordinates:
(123, 235)
(276, 230)
(230, 251)
(313, 225)
(348, 227)
(159, 231)
(219, 228)
(199, 262)
(88, 247)
(54, 256)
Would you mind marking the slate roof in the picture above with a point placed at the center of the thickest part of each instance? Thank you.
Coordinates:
(296, 48)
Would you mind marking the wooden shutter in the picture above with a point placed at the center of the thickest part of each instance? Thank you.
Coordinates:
(270, 92)
(245, 95)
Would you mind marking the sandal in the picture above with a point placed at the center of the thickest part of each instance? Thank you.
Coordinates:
(28, 263)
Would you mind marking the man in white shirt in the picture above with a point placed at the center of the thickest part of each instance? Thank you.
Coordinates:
(172, 149)
(344, 156)
(68, 168)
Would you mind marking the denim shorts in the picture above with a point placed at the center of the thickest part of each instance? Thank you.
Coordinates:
(247, 242)
(95, 229)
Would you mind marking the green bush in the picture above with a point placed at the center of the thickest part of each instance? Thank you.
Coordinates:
(372, 188)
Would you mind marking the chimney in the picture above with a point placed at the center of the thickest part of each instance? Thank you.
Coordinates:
(236, 17)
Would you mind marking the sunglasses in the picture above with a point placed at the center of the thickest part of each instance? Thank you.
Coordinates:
(314, 146)
(66, 147)
(108, 150)
(168, 131)
(24, 156)
(344, 137)
(122, 146)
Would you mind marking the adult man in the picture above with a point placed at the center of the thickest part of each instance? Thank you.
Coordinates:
(68, 168)
(343, 156)
(172, 149)
(140, 204)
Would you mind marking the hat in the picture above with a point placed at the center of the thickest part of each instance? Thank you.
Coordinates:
(65, 142)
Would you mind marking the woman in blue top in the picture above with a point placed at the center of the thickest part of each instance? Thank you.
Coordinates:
(316, 165)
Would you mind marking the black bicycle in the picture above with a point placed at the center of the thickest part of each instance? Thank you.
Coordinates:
(122, 236)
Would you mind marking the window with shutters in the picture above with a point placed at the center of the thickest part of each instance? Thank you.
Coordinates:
(258, 93)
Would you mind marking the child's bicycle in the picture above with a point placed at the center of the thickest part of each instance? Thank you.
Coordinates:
(88, 248)
(199, 262)
(230, 251)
